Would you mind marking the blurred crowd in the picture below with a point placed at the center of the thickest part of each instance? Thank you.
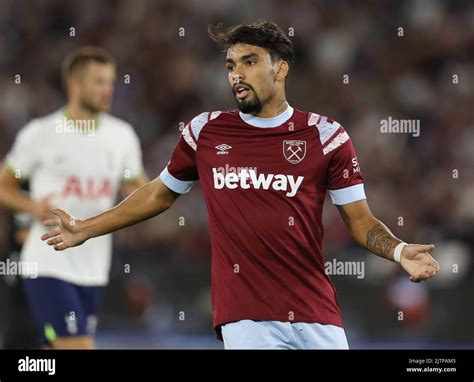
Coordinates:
(359, 64)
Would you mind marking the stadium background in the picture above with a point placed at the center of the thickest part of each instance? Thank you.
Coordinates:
(176, 72)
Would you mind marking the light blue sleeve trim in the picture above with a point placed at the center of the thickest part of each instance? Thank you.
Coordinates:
(174, 184)
(347, 195)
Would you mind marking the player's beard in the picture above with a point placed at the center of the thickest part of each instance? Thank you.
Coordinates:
(253, 106)
(90, 107)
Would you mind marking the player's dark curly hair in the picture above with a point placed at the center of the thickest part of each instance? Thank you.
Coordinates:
(265, 34)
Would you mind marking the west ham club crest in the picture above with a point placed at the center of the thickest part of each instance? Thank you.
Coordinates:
(294, 151)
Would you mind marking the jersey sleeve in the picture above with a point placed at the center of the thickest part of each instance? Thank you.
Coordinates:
(181, 171)
(24, 156)
(132, 160)
(344, 179)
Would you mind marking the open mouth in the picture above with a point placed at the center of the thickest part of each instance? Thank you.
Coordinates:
(241, 91)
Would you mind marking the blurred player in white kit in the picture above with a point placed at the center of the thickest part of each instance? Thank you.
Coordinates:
(78, 158)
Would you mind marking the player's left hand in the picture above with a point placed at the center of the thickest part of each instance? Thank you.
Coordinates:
(417, 261)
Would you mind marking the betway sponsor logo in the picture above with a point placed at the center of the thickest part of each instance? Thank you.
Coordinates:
(248, 178)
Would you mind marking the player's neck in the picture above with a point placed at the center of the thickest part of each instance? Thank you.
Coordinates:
(273, 108)
(76, 112)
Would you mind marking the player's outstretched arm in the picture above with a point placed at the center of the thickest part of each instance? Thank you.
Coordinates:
(147, 201)
(377, 238)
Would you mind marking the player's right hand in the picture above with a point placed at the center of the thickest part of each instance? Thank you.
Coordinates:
(68, 234)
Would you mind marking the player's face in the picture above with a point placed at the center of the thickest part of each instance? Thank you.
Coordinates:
(95, 86)
(252, 76)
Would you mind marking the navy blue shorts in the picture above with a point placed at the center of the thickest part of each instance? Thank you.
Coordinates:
(62, 309)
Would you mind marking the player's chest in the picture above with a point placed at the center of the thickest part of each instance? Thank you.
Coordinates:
(81, 156)
(266, 151)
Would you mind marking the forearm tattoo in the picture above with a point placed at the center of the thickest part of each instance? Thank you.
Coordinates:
(380, 241)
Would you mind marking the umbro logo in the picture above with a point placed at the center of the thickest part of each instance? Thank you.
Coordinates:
(223, 149)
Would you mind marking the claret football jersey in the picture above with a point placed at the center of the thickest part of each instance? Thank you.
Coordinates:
(264, 182)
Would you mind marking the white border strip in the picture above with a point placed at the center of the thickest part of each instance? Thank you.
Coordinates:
(188, 138)
(174, 184)
(336, 142)
(347, 195)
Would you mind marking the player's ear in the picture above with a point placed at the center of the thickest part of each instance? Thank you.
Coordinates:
(282, 70)
(71, 83)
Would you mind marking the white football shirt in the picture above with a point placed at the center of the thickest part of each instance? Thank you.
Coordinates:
(82, 167)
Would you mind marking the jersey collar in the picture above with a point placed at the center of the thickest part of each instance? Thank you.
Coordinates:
(65, 114)
(267, 122)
